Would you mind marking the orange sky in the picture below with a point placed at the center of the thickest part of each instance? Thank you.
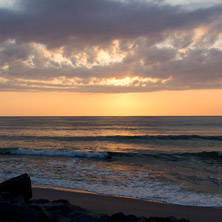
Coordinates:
(193, 102)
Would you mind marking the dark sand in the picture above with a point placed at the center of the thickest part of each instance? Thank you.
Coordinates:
(112, 204)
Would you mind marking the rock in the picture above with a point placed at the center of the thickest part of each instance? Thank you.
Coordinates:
(118, 217)
(83, 218)
(44, 216)
(80, 217)
(61, 201)
(143, 219)
(57, 208)
(131, 218)
(38, 201)
(173, 219)
(72, 208)
(58, 218)
(103, 218)
(7, 197)
(78, 209)
(158, 219)
(18, 186)
(73, 214)
(18, 213)
(69, 205)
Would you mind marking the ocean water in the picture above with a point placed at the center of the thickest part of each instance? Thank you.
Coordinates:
(171, 159)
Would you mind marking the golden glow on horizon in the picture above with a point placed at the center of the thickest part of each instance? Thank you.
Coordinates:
(193, 102)
(128, 81)
(64, 82)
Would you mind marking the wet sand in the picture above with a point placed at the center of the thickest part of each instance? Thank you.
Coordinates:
(112, 204)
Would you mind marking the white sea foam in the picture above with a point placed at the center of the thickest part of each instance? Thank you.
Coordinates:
(82, 154)
(74, 173)
(155, 191)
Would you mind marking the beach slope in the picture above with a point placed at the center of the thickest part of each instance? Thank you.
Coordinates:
(112, 204)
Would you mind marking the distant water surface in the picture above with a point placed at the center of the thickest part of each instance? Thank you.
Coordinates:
(171, 159)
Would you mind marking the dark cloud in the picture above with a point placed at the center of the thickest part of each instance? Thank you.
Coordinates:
(56, 22)
(11, 52)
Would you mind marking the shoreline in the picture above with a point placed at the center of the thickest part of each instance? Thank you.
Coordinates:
(112, 195)
(91, 192)
(109, 204)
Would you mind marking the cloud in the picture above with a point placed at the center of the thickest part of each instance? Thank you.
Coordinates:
(54, 45)
(56, 22)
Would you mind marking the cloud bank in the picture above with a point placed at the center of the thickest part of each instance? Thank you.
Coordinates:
(109, 46)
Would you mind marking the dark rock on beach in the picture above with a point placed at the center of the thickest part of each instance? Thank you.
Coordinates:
(18, 186)
(18, 213)
(13, 208)
(143, 219)
(7, 198)
(120, 217)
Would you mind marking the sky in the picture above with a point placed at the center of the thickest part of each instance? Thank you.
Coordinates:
(110, 57)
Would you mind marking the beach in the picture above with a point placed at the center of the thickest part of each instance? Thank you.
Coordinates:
(100, 204)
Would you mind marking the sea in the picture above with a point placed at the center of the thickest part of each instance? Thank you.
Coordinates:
(169, 159)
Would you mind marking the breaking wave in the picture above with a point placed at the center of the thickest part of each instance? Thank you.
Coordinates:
(136, 138)
(108, 155)
(35, 152)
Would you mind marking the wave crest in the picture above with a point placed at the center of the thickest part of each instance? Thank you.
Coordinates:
(217, 155)
(80, 154)
(116, 138)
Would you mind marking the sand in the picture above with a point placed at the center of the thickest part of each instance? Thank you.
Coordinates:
(112, 204)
